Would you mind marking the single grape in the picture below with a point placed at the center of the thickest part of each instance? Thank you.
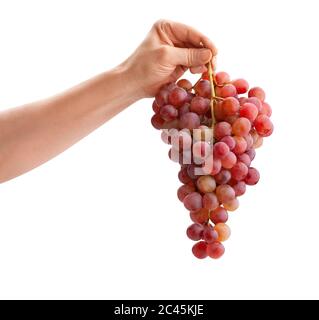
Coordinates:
(206, 184)
(239, 188)
(241, 85)
(263, 125)
(157, 121)
(231, 205)
(203, 88)
(216, 165)
(251, 153)
(215, 250)
(223, 176)
(199, 216)
(156, 107)
(183, 176)
(185, 190)
(241, 127)
(162, 97)
(189, 120)
(249, 111)
(220, 150)
(255, 101)
(223, 231)
(250, 141)
(230, 106)
(195, 231)
(200, 250)
(219, 215)
(183, 109)
(239, 171)
(252, 176)
(222, 78)
(227, 90)
(209, 234)
(265, 109)
(193, 201)
(173, 124)
(185, 84)
(210, 201)
(225, 193)
(257, 92)
(241, 145)
(244, 158)
(229, 160)
(231, 119)
(177, 97)
(230, 141)
(199, 105)
(168, 112)
(222, 129)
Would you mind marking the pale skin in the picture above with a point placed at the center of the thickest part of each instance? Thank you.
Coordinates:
(36, 132)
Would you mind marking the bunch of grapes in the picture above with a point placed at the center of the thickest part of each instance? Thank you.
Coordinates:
(213, 130)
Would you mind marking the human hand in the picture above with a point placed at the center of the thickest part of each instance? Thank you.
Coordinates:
(167, 52)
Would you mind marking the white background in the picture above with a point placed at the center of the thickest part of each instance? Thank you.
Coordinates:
(88, 225)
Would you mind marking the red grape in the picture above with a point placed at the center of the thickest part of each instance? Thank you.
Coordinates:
(193, 201)
(210, 201)
(263, 125)
(219, 215)
(189, 120)
(168, 112)
(195, 231)
(241, 127)
(220, 150)
(185, 190)
(249, 111)
(230, 106)
(224, 193)
(241, 85)
(239, 171)
(229, 160)
(185, 84)
(257, 92)
(228, 90)
(177, 97)
(199, 216)
(223, 231)
(252, 176)
(223, 176)
(200, 250)
(222, 129)
(230, 141)
(209, 234)
(215, 250)
(239, 188)
(203, 88)
(199, 105)
(222, 78)
(206, 184)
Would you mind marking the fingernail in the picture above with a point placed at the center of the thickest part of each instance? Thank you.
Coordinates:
(205, 55)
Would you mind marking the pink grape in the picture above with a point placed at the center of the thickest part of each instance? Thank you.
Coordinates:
(156, 107)
(199, 105)
(219, 215)
(209, 234)
(265, 109)
(210, 201)
(241, 85)
(177, 97)
(230, 141)
(203, 89)
(183, 176)
(241, 127)
(241, 145)
(185, 190)
(229, 160)
(230, 106)
(193, 201)
(257, 92)
(263, 125)
(224, 193)
(222, 129)
(199, 216)
(220, 150)
(157, 121)
(223, 176)
(185, 84)
(162, 98)
(239, 188)
(239, 171)
(244, 158)
(189, 120)
(222, 78)
(228, 90)
(215, 250)
(168, 112)
(252, 176)
(195, 231)
(249, 111)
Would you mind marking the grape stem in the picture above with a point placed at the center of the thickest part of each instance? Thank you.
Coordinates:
(213, 94)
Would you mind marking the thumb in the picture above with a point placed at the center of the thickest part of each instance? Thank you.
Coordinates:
(191, 57)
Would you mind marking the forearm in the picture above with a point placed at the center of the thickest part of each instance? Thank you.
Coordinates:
(32, 134)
